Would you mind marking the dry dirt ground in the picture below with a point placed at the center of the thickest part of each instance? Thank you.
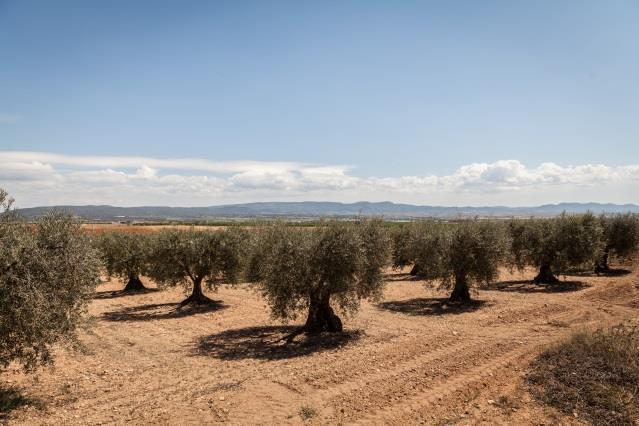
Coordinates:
(410, 359)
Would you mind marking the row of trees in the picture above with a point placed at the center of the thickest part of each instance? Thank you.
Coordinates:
(48, 270)
(472, 251)
(305, 269)
(297, 269)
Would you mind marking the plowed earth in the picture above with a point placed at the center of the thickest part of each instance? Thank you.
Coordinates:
(409, 359)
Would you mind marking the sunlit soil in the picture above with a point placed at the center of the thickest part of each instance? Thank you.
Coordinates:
(411, 358)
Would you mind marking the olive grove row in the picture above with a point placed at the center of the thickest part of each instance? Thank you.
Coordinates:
(49, 269)
(339, 263)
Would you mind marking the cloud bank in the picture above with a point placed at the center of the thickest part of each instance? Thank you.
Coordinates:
(40, 178)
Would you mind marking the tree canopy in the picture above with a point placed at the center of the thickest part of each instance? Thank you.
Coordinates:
(125, 256)
(309, 269)
(192, 258)
(460, 255)
(48, 273)
(555, 245)
(621, 237)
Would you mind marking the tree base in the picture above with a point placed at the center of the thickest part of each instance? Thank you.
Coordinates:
(134, 285)
(545, 279)
(460, 294)
(602, 269)
(197, 300)
(324, 320)
(416, 270)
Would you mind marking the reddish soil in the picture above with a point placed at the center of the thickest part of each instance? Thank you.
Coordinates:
(411, 359)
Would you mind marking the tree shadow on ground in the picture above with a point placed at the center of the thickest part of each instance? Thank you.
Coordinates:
(121, 293)
(609, 273)
(527, 286)
(270, 343)
(431, 306)
(402, 277)
(158, 311)
(12, 398)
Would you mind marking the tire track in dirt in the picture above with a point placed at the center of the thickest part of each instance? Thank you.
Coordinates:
(417, 373)
(420, 402)
(394, 352)
(394, 373)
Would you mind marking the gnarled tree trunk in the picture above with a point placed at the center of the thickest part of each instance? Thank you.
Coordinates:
(545, 275)
(461, 292)
(134, 284)
(321, 316)
(416, 270)
(197, 297)
(602, 265)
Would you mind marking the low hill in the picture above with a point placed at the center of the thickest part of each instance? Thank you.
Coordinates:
(310, 209)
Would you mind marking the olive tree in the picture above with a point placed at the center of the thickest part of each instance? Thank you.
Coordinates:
(620, 238)
(401, 237)
(192, 258)
(256, 246)
(48, 273)
(555, 245)
(311, 270)
(460, 255)
(125, 256)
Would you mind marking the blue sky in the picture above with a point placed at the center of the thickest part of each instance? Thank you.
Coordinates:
(387, 99)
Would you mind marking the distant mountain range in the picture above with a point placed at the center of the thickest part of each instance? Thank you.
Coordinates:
(311, 209)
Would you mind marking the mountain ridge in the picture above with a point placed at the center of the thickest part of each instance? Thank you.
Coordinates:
(314, 209)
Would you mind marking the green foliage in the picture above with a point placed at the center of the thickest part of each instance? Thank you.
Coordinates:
(464, 253)
(48, 273)
(258, 242)
(401, 238)
(593, 374)
(621, 234)
(183, 256)
(124, 255)
(342, 261)
(567, 241)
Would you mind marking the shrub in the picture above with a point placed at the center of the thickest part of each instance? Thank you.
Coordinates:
(308, 269)
(196, 258)
(48, 273)
(593, 374)
(555, 245)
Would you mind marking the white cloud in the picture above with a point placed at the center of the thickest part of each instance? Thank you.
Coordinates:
(45, 178)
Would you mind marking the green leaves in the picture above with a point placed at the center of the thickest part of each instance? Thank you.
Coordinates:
(124, 254)
(567, 241)
(48, 275)
(339, 260)
(621, 233)
(468, 250)
(179, 256)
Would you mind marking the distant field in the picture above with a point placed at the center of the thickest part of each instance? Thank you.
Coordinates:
(140, 229)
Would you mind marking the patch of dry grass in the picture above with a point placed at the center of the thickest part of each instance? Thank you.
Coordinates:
(594, 375)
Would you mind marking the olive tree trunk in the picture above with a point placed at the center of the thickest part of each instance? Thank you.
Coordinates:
(545, 275)
(602, 265)
(321, 316)
(461, 291)
(134, 284)
(416, 270)
(197, 297)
